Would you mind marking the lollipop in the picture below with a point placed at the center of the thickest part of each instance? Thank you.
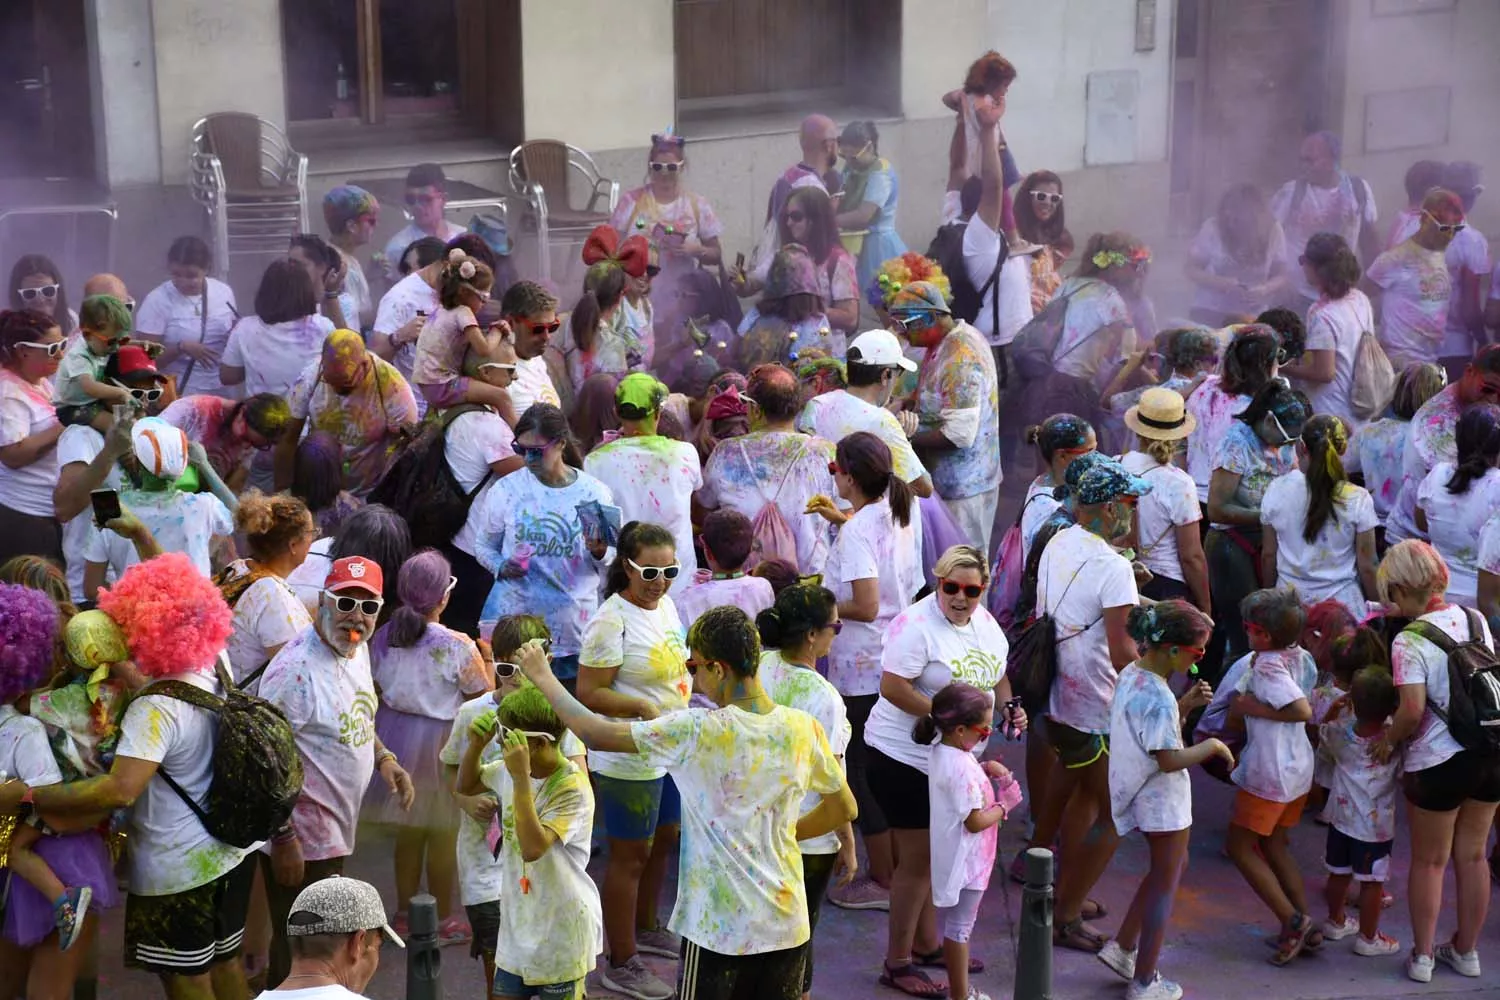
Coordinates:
(93, 639)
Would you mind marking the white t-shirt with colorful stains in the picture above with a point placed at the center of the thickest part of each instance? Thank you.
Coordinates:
(653, 479)
(742, 778)
(649, 651)
(798, 687)
(1143, 719)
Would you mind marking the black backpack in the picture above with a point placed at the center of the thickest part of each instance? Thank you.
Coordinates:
(421, 488)
(1473, 715)
(947, 249)
(257, 775)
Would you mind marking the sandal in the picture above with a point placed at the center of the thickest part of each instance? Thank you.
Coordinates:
(935, 960)
(1077, 936)
(912, 981)
(1293, 939)
(1092, 909)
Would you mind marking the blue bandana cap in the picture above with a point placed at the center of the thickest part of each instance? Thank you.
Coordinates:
(1108, 481)
(1074, 472)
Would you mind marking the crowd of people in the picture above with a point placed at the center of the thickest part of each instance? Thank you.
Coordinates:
(730, 591)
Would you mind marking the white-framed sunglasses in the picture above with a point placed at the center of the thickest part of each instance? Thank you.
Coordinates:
(53, 349)
(347, 605)
(650, 573)
(143, 395)
(526, 732)
(498, 365)
(48, 292)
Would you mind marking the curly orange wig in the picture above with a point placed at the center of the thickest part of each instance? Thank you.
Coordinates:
(173, 617)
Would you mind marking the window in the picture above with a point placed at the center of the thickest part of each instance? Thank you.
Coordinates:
(777, 55)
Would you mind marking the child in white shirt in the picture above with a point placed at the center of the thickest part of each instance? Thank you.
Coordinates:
(437, 372)
(1276, 767)
(1362, 813)
(967, 807)
(1148, 781)
(727, 538)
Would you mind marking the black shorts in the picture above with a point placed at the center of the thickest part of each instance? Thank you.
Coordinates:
(186, 933)
(900, 790)
(708, 975)
(817, 872)
(485, 920)
(1076, 748)
(1367, 862)
(1446, 786)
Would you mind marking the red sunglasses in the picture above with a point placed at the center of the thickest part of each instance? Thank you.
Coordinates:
(833, 468)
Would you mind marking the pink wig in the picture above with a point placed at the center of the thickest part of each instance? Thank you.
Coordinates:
(173, 617)
(28, 640)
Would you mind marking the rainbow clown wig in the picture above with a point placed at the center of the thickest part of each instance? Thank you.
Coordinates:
(28, 640)
(903, 270)
(173, 617)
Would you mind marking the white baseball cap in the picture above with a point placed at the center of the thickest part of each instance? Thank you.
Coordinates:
(879, 348)
(161, 448)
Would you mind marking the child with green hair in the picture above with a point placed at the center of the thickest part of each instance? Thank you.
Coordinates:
(83, 397)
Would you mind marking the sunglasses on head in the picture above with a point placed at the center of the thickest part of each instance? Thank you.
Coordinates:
(348, 605)
(48, 292)
(650, 573)
(657, 167)
(970, 590)
(1446, 228)
(1046, 198)
(53, 349)
(529, 734)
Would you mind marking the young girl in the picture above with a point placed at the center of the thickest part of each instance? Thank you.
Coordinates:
(1276, 768)
(969, 799)
(1148, 780)
(1344, 653)
(463, 290)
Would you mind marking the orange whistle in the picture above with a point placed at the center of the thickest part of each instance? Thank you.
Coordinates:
(355, 635)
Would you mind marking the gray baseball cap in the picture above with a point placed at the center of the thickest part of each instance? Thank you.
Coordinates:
(339, 905)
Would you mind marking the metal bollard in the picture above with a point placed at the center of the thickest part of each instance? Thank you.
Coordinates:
(1034, 960)
(424, 963)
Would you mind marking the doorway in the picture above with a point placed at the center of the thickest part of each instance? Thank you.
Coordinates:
(46, 113)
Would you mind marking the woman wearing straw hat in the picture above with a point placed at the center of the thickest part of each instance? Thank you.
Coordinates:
(1167, 538)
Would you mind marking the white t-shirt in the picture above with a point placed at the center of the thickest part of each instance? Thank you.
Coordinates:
(180, 522)
(1038, 507)
(924, 647)
(274, 355)
(81, 443)
(395, 247)
(330, 702)
(798, 687)
(1362, 798)
(1142, 720)
(1172, 503)
(307, 580)
(750, 594)
(871, 545)
(653, 479)
(268, 615)
(1214, 410)
(746, 473)
(532, 384)
(1321, 210)
(1469, 251)
(1209, 252)
(835, 415)
(178, 319)
(26, 409)
(25, 753)
(170, 851)
(1336, 325)
(649, 650)
(1098, 331)
(1079, 578)
(742, 778)
(555, 932)
(1414, 660)
(433, 676)
(1414, 306)
(1489, 546)
(1375, 452)
(474, 440)
(1324, 567)
(1277, 762)
(398, 307)
(982, 245)
(1454, 523)
(956, 786)
(333, 991)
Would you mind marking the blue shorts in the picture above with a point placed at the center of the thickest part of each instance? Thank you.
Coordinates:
(633, 810)
(1347, 856)
(508, 984)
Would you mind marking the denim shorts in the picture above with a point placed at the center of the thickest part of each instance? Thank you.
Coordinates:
(633, 810)
(508, 984)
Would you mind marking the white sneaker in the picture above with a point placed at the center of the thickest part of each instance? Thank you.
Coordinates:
(1337, 932)
(1419, 968)
(1461, 963)
(1120, 961)
(975, 994)
(1157, 989)
(1381, 945)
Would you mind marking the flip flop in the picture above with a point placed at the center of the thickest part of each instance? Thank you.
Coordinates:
(912, 981)
(1092, 909)
(935, 960)
(1077, 936)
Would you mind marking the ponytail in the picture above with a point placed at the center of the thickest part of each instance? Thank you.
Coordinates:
(405, 627)
(957, 704)
(422, 586)
(925, 731)
(1325, 439)
(901, 498)
(603, 288)
(584, 321)
(867, 460)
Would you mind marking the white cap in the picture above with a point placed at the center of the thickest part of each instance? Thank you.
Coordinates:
(879, 348)
(338, 905)
(161, 448)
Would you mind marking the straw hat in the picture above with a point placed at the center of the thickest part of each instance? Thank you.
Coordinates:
(1161, 414)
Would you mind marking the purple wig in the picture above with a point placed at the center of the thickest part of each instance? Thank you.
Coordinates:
(28, 640)
(421, 585)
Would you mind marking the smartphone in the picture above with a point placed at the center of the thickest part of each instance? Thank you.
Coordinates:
(106, 505)
(739, 261)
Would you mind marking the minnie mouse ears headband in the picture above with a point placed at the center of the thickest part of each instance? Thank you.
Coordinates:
(667, 137)
(604, 245)
(464, 263)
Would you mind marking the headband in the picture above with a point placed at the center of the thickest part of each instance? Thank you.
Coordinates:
(604, 245)
(1115, 258)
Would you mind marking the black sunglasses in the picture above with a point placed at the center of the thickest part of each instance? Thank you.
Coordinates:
(652, 270)
(970, 590)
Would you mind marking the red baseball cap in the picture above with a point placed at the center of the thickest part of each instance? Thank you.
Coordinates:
(355, 573)
(132, 361)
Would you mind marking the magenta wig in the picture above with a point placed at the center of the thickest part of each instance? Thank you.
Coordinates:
(28, 639)
(173, 617)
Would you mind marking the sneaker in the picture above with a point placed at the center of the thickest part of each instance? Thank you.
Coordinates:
(1120, 961)
(1461, 963)
(1419, 968)
(1383, 944)
(635, 980)
(1337, 932)
(1157, 989)
(660, 942)
(454, 930)
(73, 905)
(975, 994)
(861, 894)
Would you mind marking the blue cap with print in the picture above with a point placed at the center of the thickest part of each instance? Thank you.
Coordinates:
(1107, 481)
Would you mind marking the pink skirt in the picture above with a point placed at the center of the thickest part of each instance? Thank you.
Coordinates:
(444, 394)
(77, 859)
(417, 742)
